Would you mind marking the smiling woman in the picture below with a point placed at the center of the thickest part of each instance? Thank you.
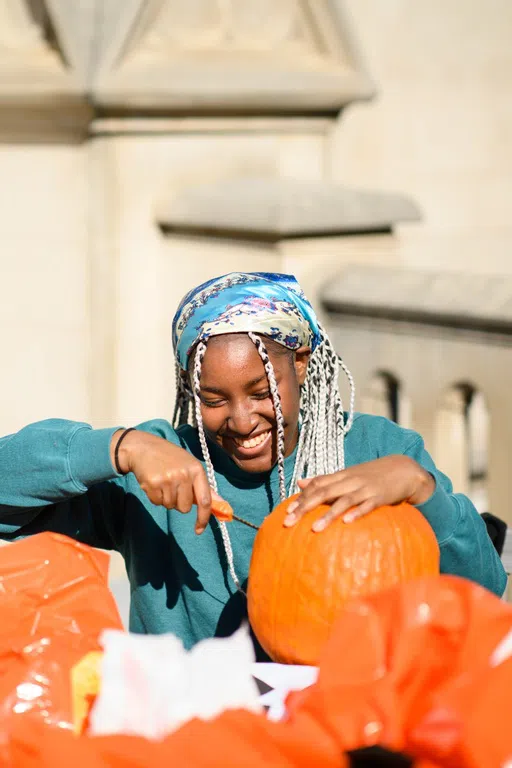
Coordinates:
(258, 416)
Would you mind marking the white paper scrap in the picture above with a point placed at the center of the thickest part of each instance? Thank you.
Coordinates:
(150, 685)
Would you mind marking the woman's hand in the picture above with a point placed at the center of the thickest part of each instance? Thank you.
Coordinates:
(361, 489)
(168, 475)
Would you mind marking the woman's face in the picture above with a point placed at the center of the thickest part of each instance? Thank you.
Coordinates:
(236, 404)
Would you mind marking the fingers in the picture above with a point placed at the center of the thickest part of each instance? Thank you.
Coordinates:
(169, 496)
(157, 493)
(184, 497)
(360, 510)
(180, 490)
(203, 498)
(320, 490)
(349, 498)
(347, 511)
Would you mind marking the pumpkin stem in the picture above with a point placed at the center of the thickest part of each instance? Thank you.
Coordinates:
(378, 757)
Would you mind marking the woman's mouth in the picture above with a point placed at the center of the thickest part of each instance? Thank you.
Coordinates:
(252, 446)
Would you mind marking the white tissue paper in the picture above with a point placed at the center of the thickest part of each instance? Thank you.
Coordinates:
(150, 685)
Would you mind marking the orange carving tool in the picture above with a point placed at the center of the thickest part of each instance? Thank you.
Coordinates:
(223, 512)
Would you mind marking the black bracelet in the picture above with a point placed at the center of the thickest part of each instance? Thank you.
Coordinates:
(116, 452)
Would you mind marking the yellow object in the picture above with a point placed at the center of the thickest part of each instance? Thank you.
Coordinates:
(85, 686)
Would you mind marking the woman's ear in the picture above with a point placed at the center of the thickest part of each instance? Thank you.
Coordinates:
(301, 361)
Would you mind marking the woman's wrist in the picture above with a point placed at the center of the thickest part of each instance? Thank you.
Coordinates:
(120, 450)
(424, 487)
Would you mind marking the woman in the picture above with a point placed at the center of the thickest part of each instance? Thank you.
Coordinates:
(258, 415)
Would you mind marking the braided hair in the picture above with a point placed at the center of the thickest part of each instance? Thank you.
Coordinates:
(323, 426)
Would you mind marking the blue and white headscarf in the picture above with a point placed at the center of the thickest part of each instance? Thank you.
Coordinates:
(270, 304)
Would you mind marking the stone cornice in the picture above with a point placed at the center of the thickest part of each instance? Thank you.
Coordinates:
(462, 301)
(147, 58)
(276, 209)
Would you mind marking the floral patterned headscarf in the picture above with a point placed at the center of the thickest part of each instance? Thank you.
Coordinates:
(266, 303)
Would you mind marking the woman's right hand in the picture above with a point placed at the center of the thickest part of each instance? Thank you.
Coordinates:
(168, 475)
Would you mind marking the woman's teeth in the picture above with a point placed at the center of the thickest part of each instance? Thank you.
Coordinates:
(253, 441)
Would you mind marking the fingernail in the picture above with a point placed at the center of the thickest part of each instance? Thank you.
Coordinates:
(349, 517)
(199, 529)
(319, 525)
(289, 520)
(292, 507)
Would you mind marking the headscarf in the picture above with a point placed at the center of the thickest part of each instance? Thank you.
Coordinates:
(267, 303)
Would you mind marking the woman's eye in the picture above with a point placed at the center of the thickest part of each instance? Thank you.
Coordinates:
(212, 403)
(262, 395)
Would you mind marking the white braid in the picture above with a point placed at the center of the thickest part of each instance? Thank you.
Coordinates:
(210, 472)
(352, 401)
(276, 400)
(321, 447)
(178, 403)
(184, 399)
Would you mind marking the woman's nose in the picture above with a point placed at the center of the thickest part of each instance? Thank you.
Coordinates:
(242, 419)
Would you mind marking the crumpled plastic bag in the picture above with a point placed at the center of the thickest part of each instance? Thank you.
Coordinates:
(54, 602)
(150, 685)
(234, 739)
(424, 669)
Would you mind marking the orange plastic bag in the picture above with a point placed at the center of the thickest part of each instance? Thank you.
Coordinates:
(424, 669)
(236, 738)
(233, 740)
(54, 602)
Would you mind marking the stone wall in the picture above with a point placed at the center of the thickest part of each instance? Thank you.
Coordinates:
(44, 284)
(439, 128)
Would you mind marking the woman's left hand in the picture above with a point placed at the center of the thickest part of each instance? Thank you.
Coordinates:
(356, 491)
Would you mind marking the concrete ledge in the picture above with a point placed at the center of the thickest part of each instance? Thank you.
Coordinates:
(274, 209)
(450, 300)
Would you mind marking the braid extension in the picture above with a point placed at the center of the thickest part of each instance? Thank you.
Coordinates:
(304, 446)
(210, 472)
(184, 396)
(323, 427)
(178, 404)
(269, 370)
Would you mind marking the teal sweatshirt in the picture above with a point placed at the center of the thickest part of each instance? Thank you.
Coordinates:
(57, 475)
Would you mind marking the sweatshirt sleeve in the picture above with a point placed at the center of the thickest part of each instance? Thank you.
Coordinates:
(53, 476)
(466, 549)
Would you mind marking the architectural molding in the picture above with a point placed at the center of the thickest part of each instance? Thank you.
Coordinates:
(40, 95)
(234, 56)
(176, 57)
(208, 125)
(457, 301)
(275, 209)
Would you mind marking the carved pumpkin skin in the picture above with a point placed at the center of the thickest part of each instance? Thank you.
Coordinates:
(300, 580)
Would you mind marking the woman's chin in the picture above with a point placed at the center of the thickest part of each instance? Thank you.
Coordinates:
(256, 465)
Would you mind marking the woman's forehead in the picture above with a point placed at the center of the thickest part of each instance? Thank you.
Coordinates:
(232, 349)
(236, 354)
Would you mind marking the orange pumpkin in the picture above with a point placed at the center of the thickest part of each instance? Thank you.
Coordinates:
(300, 580)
